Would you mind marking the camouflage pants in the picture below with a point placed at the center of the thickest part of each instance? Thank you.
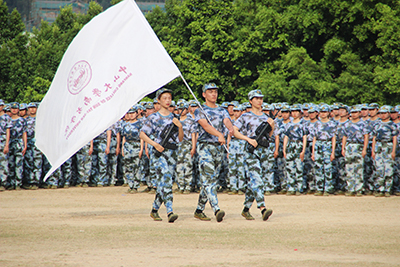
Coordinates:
(163, 181)
(83, 164)
(3, 164)
(236, 161)
(184, 166)
(196, 172)
(294, 166)
(102, 162)
(131, 163)
(280, 170)
(15, 162)
(255, 183)
(152, 167)
(323, 166)
(112, 161)
(33, 163)
(354, 167)
(396, 174)
(369, 169)
(223, 173)
(384, 166)
(174, 157)
(66, 173)
(144, 169)
(55, 177)
(309, 171)
(210, 157)
(267, 161)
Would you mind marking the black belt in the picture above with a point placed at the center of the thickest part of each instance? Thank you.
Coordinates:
(210, 143)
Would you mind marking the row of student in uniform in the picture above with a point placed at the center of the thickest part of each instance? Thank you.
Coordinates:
(313, 166)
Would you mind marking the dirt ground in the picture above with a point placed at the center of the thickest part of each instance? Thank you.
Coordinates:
(108, 227)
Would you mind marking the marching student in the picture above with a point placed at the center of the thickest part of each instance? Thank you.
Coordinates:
(210, 150)
(155, 125)
(256, 167)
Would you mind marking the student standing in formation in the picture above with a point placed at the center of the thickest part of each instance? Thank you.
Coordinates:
(354, 149)
(186, 150)
(132, 149)
(5, 125)
(295, 143)
(18, 146)
(210, 150)
(384, 144)
(248, 123)
(155, 125)
(323, 151)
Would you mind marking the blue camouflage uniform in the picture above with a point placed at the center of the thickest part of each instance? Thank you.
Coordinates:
(260, 167)
(130, 131)
(184, 163)
(384, 133)
(5, 123)
(33, 156)
(210, 156)
(354, 132)
(15, 158)
(153, 126)
(323, 133)
(294, 166)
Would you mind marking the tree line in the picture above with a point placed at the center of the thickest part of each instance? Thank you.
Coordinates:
(294, 51)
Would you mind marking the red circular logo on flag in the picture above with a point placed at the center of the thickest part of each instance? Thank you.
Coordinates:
(79, 77)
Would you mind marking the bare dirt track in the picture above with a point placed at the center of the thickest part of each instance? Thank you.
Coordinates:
(108, 227)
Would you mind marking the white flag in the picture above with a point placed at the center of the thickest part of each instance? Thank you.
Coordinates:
(113, 62)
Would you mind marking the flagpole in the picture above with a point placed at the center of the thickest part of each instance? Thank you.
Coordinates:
(201, 107)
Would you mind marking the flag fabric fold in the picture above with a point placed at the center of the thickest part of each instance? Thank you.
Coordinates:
(114, 61)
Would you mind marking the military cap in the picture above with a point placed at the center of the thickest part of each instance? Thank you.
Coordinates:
(133, 109)
(373, 106)
(306, 106)
(238, 108)
(254, 93)
(208, 86)
(14, 105)
(193, 103)
(313, 108)
(364, 106)
(325, 108)
(285, 108)
(295, 107)
(182, 105)
(32, 105)
(355, 108)
(224, 105)
(149, 105)
(384, 109)
(1, 102)
(155, 100)
(397, 108)
(162, 91)
(22, 106)
(172, 103)
(265, 106)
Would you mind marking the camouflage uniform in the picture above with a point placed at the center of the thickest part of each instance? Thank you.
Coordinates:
(384, 133)
(131, 148)
(5, 123)
(280, 161)
(184, 163)
(237, 178)
(341, 164)
(15, 158)
(354, 161)
(112, 156)
(309, 165)
(369, 163)
(83, 165)
(294, 165)
(101, 160)
(154, 125)
(33, 156)
(324, 132)
(396, 172)
(256, 167)
(210, 156)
